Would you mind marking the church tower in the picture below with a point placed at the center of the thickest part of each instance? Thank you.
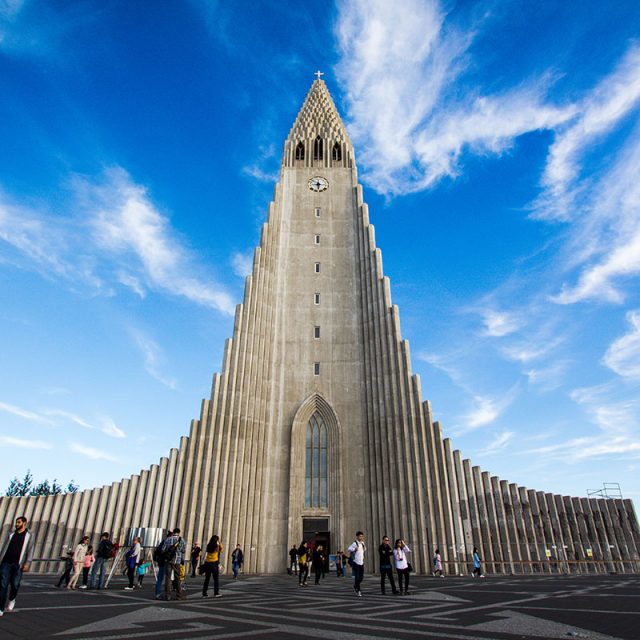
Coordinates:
(315, 426)
(316, 422)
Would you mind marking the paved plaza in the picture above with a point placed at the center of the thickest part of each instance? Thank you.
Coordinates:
(504, 608)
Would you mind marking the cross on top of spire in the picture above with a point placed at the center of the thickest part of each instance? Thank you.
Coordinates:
(318, 74)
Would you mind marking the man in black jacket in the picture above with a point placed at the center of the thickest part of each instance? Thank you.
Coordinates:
(104, 553)
(386, 565)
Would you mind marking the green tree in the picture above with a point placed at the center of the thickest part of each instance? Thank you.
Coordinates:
(21, 487)
(25, 487)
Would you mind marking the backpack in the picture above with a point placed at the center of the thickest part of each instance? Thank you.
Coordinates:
(106, 549)
(158, 556)
(164, 555)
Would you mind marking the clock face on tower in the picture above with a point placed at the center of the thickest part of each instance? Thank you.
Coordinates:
(318, 183)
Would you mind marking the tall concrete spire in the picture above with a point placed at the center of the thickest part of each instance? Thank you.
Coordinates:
(318, 120)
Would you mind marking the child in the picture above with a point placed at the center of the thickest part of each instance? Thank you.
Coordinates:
(86, 566)
(68, 568)
(142, 568)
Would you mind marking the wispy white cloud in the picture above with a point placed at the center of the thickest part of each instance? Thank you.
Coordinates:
(260, 174)
(116, 235)
(498, 444)
(602, 207)
(68, 416)
(623, 356)
(485, 410)
(110, 428)
(550, 377)
(90, 452)
(152, 357)
(579, 449)
(9, 441)
(498, 324)
(23, 413)
(406, 58)
(132, 282)
(601, 110)
(242, 264)
(127, 224)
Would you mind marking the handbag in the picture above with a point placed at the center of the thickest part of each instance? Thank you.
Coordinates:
(409, 567)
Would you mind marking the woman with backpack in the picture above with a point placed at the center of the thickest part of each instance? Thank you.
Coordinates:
(132, 558)
(212, 566)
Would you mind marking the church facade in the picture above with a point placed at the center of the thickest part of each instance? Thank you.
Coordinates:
(316, 426)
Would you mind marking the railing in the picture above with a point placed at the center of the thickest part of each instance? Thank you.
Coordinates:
(547, 566)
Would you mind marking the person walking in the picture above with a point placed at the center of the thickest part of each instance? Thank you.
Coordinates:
(141, 569)
(86, 566)
(237, 560)
(339, 564)
(477, 566)
(318, 562)
(212, 566)
(303, 564)
(103, 555)
(78, 561)
(357, 549)
(68, 568)
(174, 550)
(132, 558)
(195, 557)
(293, 560)
(158, 556)
(386, 565)
(437, 564)
(400, 550)
(16, 554)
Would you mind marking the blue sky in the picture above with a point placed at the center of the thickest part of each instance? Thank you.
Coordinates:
(499, 148)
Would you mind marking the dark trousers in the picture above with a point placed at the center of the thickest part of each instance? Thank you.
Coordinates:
(403, 574)
(130, 573)
(194, 566)
(303, 572)
(211, 569)
(358, 575)
(387, 572)
(319, 568)
(85, 575)
(10, 576)
(65, 577)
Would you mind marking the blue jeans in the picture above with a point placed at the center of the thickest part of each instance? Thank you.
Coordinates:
(160, 579)
(98, 573)
(10, 576)
(236, 567)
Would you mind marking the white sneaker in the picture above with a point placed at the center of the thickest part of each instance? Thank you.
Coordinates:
(83, 586)
(10, 605)
(1, 613)
(128, 588)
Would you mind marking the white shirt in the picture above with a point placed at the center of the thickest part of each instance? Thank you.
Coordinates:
(400, 556)
(358, 549)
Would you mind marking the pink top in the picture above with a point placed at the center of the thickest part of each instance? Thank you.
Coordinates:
(88, 560)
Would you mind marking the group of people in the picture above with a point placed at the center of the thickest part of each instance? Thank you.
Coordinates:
(390, 558)
(16, 555)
